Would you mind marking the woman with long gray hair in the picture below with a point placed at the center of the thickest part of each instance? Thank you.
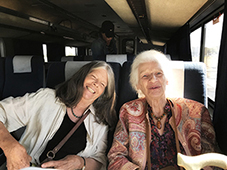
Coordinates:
(50, 114)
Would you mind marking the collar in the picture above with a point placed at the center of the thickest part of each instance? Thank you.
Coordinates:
(92, 109)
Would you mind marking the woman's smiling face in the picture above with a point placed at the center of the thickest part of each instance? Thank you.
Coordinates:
(152, 81)
(95, 84)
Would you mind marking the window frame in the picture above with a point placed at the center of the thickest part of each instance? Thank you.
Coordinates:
(202, 24)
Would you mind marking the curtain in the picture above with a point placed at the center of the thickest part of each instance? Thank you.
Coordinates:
(220, 109)
(178, 47)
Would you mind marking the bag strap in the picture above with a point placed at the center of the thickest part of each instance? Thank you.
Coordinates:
(51, 154)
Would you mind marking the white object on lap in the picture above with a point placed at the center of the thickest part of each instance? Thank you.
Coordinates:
(201, 161)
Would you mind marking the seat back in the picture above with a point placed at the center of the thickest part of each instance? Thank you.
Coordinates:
(58, 72)
(116, 67)
(119, 58)
(130, 57)
(126, 93)
(194, 77)
(23, 74)
(195, 81)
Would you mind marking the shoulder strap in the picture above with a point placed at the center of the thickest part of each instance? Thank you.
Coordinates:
(51, 154)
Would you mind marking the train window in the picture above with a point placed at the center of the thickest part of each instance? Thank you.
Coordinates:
(213, 30)
(71, 51)
(195, 38)
(89, 52)
(128, 46)
(45, 52)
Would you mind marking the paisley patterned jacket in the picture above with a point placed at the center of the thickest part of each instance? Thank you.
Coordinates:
(193, 124)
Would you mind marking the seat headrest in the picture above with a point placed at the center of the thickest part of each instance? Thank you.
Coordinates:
(71, 67)
(119, 58)
(175, 87)
(22, 64)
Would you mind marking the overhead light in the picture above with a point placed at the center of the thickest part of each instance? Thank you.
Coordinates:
(38, 20)
(158, 43)
(122, 8)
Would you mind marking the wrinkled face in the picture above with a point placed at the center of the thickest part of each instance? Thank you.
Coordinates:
(95, 84)
(152, 81)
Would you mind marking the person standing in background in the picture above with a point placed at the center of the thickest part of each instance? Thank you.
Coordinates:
(105, 44)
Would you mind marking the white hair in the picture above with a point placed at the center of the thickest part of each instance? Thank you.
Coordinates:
(144, 57)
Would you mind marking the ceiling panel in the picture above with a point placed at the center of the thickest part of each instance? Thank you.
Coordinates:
(167, 16)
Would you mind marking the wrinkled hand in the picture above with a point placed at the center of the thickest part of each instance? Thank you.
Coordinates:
(17, 157)
(70, 162)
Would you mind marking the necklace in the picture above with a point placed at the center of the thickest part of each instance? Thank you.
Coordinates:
(166, 111)
(75, 114)
(159, 124)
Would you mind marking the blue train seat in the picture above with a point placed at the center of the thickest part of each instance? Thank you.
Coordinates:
(23, 74)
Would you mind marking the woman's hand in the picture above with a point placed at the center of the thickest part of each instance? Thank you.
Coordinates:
(16, 154)
(17, 157)
(70, 162)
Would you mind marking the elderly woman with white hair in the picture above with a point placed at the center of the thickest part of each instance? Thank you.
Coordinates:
(153, 128)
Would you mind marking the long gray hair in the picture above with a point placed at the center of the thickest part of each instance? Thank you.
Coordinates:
(70, 92)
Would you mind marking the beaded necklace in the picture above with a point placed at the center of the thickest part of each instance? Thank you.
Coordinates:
(75, 114)
(166, 111)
